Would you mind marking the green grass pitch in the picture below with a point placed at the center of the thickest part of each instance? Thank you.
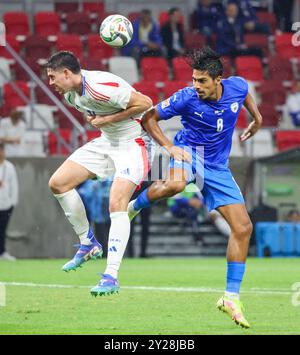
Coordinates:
(157, 296)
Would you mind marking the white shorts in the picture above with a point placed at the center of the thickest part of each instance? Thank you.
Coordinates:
(106, 159)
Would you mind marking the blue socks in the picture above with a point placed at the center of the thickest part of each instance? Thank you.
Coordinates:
(142, 201)
(235, 273)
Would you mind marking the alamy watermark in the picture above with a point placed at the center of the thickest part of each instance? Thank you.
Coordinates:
(2, 295)
(2, 34)
(296, 294)
(296, 35)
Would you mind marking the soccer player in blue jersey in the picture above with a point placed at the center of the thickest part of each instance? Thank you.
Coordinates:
(209, 111)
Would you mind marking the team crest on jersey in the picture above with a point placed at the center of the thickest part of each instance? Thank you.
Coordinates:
(234, 107)
(165, 103)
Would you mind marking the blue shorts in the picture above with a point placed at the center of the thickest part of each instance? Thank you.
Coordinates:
(216, 184)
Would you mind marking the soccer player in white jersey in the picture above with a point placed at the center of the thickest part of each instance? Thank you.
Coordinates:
(111, 104)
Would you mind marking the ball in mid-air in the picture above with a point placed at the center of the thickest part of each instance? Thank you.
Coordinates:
(116, 31)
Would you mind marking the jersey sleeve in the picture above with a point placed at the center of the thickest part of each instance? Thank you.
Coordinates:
(173, 106)
(242, 85)
(110, 92)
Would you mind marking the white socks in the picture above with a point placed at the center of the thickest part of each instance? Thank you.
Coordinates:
(117, 241)
(74, 210)
(233, 296)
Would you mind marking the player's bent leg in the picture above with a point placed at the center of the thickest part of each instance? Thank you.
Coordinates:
(159, 190)
(63, 183)
(241, 228)
(121, 192)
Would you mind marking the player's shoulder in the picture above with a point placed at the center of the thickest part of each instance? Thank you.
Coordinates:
(236, 83)
(184, 94)
(9, 165)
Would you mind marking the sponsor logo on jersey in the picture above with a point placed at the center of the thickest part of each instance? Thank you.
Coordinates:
(219, 112)
(234, 107)
(199, 114)
(165, 103)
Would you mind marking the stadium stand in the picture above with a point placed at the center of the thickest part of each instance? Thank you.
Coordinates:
(148, 88)
(249, 67)
(125, 67)
(78, 23)
(47, 23)
(154, 69)
(287, 139)
(181, 70)
(16, 23)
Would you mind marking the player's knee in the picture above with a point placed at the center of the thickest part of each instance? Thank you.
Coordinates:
(174, 187)
(117, 206)
(244, 230)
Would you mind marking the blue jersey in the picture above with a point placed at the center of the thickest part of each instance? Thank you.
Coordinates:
(207, 123)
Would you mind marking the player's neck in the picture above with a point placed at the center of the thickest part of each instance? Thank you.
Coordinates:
(78, 84)
(217, 94)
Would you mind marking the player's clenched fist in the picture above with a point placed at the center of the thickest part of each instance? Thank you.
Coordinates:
(179, 154)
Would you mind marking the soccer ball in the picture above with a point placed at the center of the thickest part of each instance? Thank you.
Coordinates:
(116, 31)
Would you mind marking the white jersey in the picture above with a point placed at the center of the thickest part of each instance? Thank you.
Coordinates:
(104, 93)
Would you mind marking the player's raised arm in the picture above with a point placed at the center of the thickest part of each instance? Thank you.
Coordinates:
(138, 103)
(256, 123)
(150, 123)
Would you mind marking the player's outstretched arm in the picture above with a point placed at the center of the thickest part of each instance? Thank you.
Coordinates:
(150, 123)
(138, 103)
(256, 123)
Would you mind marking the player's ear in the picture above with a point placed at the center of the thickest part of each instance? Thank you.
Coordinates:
(218, 79)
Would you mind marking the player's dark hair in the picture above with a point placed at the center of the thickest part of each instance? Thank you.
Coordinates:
(207, 60)
(62, 60)
(172, 10)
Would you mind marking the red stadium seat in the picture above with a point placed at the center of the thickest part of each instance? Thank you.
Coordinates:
(154, 69)
(64, 122)
(47, 23)
(257, 40)
(172, 86)
(93, 64)
(272, 93)
(66, 7)
(287, 140)
(68, 42)
(269, 114)
(284, 46)
(249, 67)
(94, 7)
(78, 23)
(37, 47)
(228, 67)
(194, 41)
(149, 89)
(11, 97)
(5, 111)
(16, 23)
(90, 135)
(21, 74)
(280, 70)
(181, 69)
(267, 17)
(53, 144)
(43, 98)
(16, 45)
(98, 49)
(242, 121)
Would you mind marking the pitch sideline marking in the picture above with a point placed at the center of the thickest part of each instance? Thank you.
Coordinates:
(254, 290)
